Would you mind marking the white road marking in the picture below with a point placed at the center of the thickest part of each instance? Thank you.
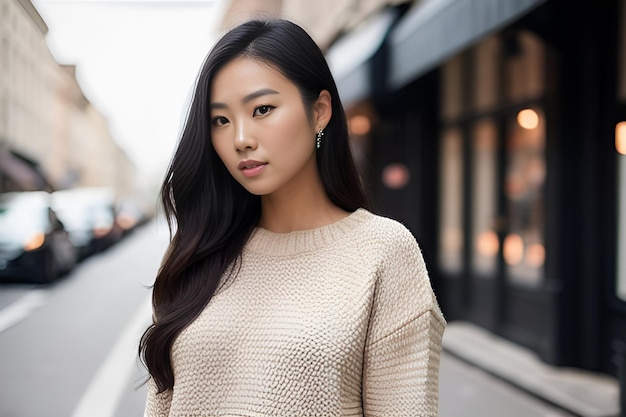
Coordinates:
(107, 387)
(22, 308)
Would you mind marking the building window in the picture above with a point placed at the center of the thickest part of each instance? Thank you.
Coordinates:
(620, 147)
(452, 88)
(493, 120)
(451, 202)
(485, 240)
(621, 222)
(524, 247)
(525, 71)
(486, 57)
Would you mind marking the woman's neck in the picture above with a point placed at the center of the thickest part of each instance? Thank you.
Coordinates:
(308, 208)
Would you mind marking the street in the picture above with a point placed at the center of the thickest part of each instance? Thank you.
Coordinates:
(70, 349)
(74, 354)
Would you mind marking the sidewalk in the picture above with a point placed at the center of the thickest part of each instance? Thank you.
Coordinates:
(582, 393)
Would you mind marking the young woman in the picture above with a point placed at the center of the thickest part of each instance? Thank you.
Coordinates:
(280, 293)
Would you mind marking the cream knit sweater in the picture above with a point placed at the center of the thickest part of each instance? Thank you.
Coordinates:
(335, 321)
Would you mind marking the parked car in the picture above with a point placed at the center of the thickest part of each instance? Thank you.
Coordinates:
(129, 215)
(34, 245)
(89, 216)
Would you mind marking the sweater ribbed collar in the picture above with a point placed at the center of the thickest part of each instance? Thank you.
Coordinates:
(302, 241)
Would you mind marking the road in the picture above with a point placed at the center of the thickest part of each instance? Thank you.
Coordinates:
(69, 349)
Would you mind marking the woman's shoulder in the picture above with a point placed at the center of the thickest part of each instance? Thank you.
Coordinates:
(384, 231)
(383, 226)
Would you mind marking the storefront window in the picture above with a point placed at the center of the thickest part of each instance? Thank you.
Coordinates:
(525, 66)
(523, 248)
(620, 147)
(621, 224)
(485, 241)
(451, 203)
(452, 91)
(486, 74)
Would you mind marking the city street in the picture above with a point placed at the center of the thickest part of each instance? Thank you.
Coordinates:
(73, 351)
(69, 350)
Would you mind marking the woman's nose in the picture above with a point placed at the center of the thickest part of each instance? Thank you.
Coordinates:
(244, 138)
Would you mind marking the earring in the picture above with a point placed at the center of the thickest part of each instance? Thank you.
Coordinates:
(318, 139)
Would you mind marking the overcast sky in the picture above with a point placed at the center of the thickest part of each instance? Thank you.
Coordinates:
(136, 62)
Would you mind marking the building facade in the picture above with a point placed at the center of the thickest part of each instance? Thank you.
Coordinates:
(27, 82)
(45, 118)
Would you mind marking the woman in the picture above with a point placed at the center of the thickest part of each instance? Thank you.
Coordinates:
(280, 294)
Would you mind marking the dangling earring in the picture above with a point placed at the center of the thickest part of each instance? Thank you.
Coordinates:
(318, 140)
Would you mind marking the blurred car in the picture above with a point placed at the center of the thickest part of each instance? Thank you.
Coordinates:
(88, 214)
(129, 215)
(34, 245)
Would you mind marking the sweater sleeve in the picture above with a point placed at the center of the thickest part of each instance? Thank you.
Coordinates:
(403, 346)
(157, 405)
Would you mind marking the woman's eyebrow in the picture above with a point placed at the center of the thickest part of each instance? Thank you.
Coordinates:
(247, 98)
(259, 93)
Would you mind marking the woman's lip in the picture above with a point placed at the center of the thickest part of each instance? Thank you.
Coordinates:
(252, 170)
(249, 163)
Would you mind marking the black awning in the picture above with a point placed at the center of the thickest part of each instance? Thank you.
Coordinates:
(434, 30)
(349, 57)
(22, 172)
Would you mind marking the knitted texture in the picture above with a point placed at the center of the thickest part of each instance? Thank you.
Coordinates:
(335, 321)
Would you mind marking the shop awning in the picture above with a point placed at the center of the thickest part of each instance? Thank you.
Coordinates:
(24, 175)
(349, 57)
(434, 30)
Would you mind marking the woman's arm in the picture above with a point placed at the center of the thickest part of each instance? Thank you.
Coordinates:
(402, 352)
(157, 405)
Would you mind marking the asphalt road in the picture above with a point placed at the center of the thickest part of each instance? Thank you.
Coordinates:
(69, 349)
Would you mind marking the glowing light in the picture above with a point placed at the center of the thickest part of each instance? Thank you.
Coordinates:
(452, 239)
(487, 243)
(101, 231)
(35, 242)
(513, 249)
(620, 137)
(528, 119)
(360, 125)
(535, 255)
(396, 176)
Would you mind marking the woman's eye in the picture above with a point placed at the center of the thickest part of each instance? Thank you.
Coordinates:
(219, 121)
(262, 110)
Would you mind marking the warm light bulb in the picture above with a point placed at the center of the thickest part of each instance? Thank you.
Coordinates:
(360, 125)
(513, 249)
(536, 255)
(620, 138)
(487, 243)
(528, 119)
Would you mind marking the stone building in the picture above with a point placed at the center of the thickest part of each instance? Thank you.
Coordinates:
(45, 119)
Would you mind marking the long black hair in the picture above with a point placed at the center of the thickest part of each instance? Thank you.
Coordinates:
(209, 214)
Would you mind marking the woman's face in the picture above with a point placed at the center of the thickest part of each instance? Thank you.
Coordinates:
(261, 130)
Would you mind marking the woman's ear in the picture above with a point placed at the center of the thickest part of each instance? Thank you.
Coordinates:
(322, 110)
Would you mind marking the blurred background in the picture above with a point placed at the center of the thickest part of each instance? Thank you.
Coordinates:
(495, 130)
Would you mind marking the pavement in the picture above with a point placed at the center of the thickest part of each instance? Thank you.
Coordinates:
(573, 390)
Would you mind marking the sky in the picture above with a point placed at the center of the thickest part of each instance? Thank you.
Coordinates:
(137, 61)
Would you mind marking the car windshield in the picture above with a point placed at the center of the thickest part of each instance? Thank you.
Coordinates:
(84, 208)
(21, 214)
